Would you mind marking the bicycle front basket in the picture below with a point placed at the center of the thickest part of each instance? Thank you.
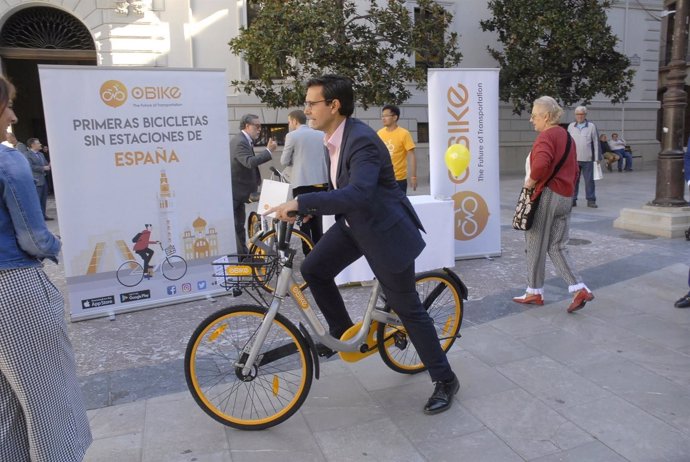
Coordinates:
(239, 270)
(170, 250)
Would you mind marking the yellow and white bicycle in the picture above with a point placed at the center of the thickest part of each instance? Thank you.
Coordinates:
(251, 368)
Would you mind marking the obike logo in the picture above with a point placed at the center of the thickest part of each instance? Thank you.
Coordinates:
(113, 93)
(471, 215)
(238, 270)
(299, 297)
(155, 92)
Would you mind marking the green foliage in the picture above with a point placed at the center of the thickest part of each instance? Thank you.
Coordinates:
(290, 41)
(560, 48)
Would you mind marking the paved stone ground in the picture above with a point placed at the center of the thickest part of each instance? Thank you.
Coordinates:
(609, 383)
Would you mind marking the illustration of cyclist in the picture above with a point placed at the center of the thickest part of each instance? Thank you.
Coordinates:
(141, 248)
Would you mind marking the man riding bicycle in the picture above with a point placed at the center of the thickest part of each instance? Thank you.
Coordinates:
(369, 207)
(141, 248)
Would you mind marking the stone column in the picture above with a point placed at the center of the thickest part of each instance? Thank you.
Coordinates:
(670, 185)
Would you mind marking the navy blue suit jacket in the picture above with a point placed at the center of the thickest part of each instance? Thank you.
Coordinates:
(368, 202)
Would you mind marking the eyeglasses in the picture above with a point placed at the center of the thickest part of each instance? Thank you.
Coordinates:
(310, 104)
(385, 116)
(534, 116)
(256, 125)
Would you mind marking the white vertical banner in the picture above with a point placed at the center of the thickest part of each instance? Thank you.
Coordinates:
(131, 148)
(463, 109)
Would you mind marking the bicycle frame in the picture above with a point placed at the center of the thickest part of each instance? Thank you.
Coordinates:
(286, 282)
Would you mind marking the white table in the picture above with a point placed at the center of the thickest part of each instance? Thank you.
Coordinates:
(437, 218)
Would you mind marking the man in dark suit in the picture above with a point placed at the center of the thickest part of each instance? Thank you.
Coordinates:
(39, 168)
(245, 171)
(374, 218)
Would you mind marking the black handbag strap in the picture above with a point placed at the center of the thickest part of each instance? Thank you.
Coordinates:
(563, 158)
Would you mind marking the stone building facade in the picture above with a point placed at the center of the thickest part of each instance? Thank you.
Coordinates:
(194, 34)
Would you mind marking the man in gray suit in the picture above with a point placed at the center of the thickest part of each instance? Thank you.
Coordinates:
(39, 168)
(304, 155)
(245, 171)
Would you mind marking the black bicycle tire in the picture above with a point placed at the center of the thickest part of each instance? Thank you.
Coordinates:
(189, 368)
(450, 337)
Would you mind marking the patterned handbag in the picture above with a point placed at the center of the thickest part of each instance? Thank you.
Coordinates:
(526, 207)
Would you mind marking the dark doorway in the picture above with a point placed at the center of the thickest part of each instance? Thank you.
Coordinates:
(33, 36)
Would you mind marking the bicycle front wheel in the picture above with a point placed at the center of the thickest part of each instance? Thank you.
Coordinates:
(299, 241)
(130, 273)
(174, 268)
(442, 299)
(277, 384)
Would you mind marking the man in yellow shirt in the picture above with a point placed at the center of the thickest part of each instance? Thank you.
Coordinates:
(400, 146)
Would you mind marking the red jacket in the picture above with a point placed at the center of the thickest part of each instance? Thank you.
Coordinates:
(546, 153)
(143, 242)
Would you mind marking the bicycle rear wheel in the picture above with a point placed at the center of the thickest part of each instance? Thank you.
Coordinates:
(299, 241)
(275, 388)
(442, 299)
(130, 273)
(174, 268)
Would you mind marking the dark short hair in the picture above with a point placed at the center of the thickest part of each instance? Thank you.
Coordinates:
(336, 87)
(299, 116)
(394, 109)
(31, 141)
(247, 119)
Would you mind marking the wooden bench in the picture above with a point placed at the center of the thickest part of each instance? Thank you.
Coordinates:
(629, 149)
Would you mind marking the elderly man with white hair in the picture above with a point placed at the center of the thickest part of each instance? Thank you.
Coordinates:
(586, 139)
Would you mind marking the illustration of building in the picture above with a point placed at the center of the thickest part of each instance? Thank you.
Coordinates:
(200, 243)
(166, 212)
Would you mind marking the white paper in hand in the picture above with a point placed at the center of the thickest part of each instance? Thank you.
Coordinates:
(273, 193)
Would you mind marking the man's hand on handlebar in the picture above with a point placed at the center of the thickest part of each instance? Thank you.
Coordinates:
(283, 209)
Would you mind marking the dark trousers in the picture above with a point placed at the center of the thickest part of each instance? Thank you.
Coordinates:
(240, 233)
(403, 185)
(586, 171)
(314, 227)
(624, 155)
(43, 197)
(336, 250)
(145, 255)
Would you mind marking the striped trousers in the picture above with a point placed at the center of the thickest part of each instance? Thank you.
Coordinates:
(549, 235)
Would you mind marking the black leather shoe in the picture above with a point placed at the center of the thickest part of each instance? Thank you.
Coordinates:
(442, 397)
(323, 351)
(48, 218)
(683, 302)
(574, 203)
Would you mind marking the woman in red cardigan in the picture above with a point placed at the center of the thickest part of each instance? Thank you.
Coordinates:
(550, 229)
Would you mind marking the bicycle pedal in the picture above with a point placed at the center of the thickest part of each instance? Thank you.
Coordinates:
(400, 340)
(236, 291)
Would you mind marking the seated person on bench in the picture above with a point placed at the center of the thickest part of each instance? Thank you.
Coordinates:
(617, 145)
(608, 154)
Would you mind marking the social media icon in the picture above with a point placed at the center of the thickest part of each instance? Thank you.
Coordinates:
(186, 287)
(172, 290)
(201, 285)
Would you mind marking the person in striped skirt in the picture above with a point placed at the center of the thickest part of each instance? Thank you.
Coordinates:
(42, 412)
(550, 229)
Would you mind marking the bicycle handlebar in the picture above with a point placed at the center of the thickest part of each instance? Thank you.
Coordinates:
(278, 173)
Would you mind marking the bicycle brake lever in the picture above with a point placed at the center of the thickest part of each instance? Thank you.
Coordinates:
(300, 218)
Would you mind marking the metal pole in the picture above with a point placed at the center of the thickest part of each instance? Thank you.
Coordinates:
(670, 186)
